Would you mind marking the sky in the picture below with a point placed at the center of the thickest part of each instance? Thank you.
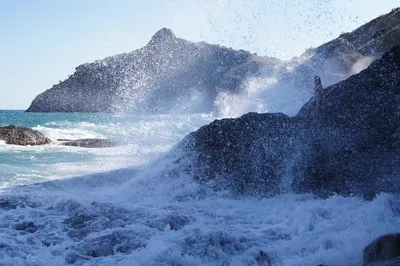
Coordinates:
(42, 41)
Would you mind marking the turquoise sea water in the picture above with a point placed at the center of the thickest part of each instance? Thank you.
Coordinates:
(143, 138)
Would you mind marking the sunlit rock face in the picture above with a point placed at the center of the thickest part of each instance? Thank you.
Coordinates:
(171, 75)
(22, 136)
(168, 74)
(351, 147)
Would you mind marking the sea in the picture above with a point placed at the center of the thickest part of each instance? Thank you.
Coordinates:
(63, 205)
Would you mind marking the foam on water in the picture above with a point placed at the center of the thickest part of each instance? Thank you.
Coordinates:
(139, 217)
(142, 137)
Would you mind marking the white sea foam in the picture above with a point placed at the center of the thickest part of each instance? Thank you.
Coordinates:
(136, 216)
(142, 138)
(69, 133)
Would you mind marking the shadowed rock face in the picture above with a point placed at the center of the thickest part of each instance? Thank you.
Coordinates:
(353, 149)
(383, 251)
(22, 136)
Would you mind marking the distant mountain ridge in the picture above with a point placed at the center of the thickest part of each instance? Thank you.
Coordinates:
(170, 73)
(166, 73)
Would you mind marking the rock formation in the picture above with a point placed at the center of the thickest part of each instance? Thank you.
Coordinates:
(334, 61)
(166, 74)
(89, 143)
(22, 136)
(383, 251)
(170, 74)
(353, 149)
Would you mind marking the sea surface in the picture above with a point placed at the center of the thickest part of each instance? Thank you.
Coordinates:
(112, 206)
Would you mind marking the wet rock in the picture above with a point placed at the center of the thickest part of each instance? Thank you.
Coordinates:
(13, 202)
(97, 217)
(116, 242)
(214, 246)
(383, 251)
(351, 150)
(263, 259)
(8, 204)
(90, 143)
(22, 136)
(29, 227)
(174, 222)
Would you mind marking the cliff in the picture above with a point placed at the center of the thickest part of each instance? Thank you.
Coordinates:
(353, 147)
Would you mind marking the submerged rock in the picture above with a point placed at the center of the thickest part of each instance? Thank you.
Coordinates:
(383, 251)
(90, 143)
(352, 149)
(22, 136)
(263, 258)
(29, 227)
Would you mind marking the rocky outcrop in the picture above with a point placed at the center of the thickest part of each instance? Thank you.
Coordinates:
(22, 136)
(333, 61)
(89, 143)
(164, 75)
(170, 74)
(354, 148)
(383, 251)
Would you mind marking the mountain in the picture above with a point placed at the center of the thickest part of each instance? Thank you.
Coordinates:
(170, 74)
(353, 149)
(333, 61)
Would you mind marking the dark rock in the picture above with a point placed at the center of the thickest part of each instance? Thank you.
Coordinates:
(383, 251)
(174, 222)
(22, 136)
(8, 204)
(263, 259)
(90, 143)
(218, 245)
(244, 154)
(114, 243)
(353, 149)
(29, 227)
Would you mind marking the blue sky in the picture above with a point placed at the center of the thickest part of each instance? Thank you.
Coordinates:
(42, 41)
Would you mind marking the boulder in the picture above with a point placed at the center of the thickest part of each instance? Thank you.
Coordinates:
(90, 143)
(383, 251)
(22, 136)
(353, 149)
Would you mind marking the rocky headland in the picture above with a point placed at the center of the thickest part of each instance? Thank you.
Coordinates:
(171, 74)
(351, 148)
